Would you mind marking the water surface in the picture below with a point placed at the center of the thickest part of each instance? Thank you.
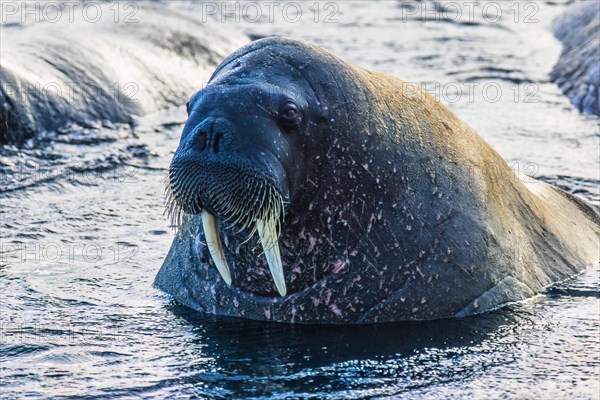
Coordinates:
(83, 236)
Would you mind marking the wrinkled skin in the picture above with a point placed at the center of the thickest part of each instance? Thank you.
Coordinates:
(395, 208)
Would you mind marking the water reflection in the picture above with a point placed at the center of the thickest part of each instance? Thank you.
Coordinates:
(301, 358)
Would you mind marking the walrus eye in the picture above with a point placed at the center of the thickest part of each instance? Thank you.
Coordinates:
(289, 114)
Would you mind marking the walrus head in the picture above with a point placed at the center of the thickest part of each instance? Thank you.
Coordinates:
(236, 161)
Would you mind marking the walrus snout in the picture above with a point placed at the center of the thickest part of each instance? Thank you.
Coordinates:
(236, 162)
(244, 186)
(232, 187)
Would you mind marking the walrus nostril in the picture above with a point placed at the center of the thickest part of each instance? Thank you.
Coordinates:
(208, 135)
(217, 139)
(200, 139)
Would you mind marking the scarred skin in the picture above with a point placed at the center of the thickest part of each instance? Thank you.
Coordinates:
(397, 209)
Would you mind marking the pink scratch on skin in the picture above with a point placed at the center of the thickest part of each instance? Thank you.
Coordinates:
(312, 242)
(338, 266)
(335, 310)
(327, 297)
(199, 246)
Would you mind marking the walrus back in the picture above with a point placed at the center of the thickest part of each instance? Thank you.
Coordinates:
(535, 234)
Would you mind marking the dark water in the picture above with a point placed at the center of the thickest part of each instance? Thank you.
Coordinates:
(82, 236)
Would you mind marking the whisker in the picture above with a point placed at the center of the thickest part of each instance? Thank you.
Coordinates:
(237, 197)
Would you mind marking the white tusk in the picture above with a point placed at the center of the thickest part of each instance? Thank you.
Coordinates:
(268, 239)
(213, 241)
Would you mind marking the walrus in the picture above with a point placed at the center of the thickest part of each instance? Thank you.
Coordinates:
(310, 190)
(577, 72)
